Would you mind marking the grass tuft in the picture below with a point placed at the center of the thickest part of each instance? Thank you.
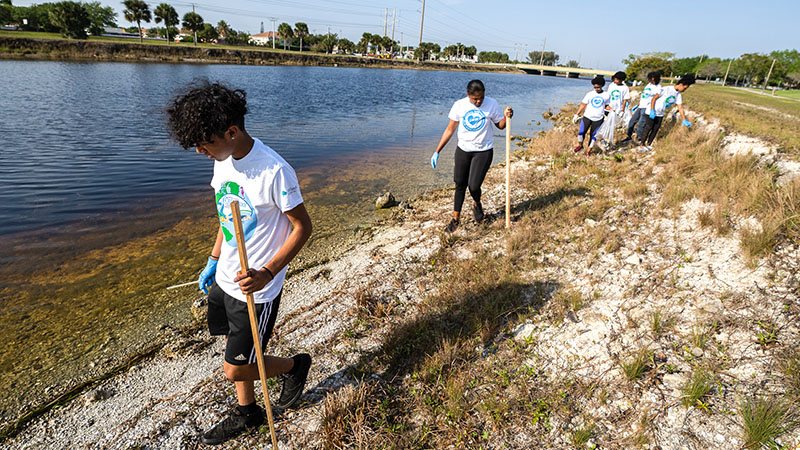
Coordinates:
(636, 365)
(764, 420)
(696, 389)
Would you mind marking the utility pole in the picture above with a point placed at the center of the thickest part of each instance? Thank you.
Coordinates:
(394, 18)
(768, 75)
(262, 27)
(421, 21)
(725, 80)
(402, 50)
(385, 20)
(273, 19)
(195, 32)
(541, 59)
(697, 69)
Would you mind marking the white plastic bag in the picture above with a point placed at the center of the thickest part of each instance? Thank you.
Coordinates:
(606, 131)
(626, 118)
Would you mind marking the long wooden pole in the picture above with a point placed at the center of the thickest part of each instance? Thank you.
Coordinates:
(725, 80)
(251, 309)
(768, 75)
(508, 172)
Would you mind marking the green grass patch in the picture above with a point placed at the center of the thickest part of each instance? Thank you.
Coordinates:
(765, 419)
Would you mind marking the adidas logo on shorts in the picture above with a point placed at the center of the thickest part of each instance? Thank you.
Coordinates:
(241, 357)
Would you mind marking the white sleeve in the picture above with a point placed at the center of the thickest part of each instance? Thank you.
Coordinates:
(678, 98)
(286, 189)
(627, 94)
(453, 114)
(586, 97)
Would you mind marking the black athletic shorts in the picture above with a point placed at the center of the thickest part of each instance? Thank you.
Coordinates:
(228, 316)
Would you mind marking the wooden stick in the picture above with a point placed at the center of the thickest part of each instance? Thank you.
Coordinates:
(251, 309)
(508, 172)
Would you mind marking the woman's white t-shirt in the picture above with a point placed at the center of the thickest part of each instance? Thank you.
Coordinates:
(618, 95)
(648, 93)
(476, 124)
(669, 96)
(595, 104)
(266, 187)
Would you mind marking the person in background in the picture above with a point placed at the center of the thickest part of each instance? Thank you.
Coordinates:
(670, 95)
(651, 91)
(593, 106)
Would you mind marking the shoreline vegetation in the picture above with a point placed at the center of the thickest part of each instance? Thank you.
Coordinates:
(638, 298)
(59, 49)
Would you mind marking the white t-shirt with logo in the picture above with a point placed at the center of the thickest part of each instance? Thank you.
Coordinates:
(648, 93)
(618, 95)
(266, 187)
(595, 104)
(476, 124)
(669, 96)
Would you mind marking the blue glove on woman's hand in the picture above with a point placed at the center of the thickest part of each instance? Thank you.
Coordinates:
(207, 275)
(434, 159)
(686, 123)
(653, 114)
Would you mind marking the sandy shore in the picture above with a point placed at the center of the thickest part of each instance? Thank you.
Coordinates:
(168, 400)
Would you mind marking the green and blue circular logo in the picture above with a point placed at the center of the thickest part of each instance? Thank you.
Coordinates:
(615, 95)
(474, 120)
(227, 194)
(647, 93)
(669, 101)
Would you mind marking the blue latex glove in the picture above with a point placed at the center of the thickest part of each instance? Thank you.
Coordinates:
(652, 113)
(634, 108)
(207, 275)
(434, 159)
(686, 123)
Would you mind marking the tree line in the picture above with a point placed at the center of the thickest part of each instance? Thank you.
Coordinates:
(749, 68)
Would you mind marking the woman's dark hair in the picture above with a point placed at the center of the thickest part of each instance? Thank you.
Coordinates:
(475, 86)
(203, 110)
(686, 80)
(655, 77)
(621, 76)
(599, 80)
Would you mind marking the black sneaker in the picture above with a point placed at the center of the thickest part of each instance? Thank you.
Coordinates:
(294, 381)
(477, 212)
(626, 141)
(451, 226)
(233, 425)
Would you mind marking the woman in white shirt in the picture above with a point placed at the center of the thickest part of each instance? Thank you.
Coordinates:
(474, 116)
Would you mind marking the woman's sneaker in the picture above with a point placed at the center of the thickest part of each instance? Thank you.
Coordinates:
(233, 425)
(477, 212)
(295, 381)
(451, 226)
(577, 149)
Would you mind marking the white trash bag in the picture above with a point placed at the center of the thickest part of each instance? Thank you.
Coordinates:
(626, 118)
(606, 130)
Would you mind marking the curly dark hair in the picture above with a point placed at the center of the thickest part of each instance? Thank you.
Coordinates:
(203, 110)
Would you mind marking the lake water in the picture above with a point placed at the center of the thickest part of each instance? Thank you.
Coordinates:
(96, 192)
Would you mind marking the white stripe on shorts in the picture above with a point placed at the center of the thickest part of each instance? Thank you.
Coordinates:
(263, 320)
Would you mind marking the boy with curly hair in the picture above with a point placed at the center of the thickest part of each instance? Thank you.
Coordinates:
(210, 118)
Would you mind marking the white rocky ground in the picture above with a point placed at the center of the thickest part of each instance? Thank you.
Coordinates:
(698, 282)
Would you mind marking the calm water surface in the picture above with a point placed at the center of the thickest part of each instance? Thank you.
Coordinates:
(90, 175)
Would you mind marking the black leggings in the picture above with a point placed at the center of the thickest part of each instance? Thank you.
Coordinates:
(651, 127)
(470, 170)
(591, 126)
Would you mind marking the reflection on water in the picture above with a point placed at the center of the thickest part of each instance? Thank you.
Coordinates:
(101, 211)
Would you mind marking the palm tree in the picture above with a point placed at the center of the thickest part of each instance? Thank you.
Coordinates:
(137, 11)
(193, 22)
(285, 32)
(300, 30)
(167, 14)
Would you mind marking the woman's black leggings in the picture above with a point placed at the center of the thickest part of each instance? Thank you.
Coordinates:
(651, 127)
(470, 170)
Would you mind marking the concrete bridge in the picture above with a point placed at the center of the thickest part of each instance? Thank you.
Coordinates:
(569, 72)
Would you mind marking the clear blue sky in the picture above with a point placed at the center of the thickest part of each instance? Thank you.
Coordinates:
(600, 33)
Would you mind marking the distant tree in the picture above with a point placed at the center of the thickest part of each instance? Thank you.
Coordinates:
(493, 57)
(363, 44)
(167, 14)
(222, 29)
(425, 50)
(346, 46)
(470, 51)
(376, 40)
(285, 32)
(572, 63)
(194, 23)
(449, 51)
(550, 58)
(682, 66)
(388, 44)
(640, 65)
(100, 17)
(137, 11)
(301, 31)
(36, 16)
(755, 66)
(711, 68)
(71, 18)
(208, 34)
(793, 79)
(237, 37)
(6, 12)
